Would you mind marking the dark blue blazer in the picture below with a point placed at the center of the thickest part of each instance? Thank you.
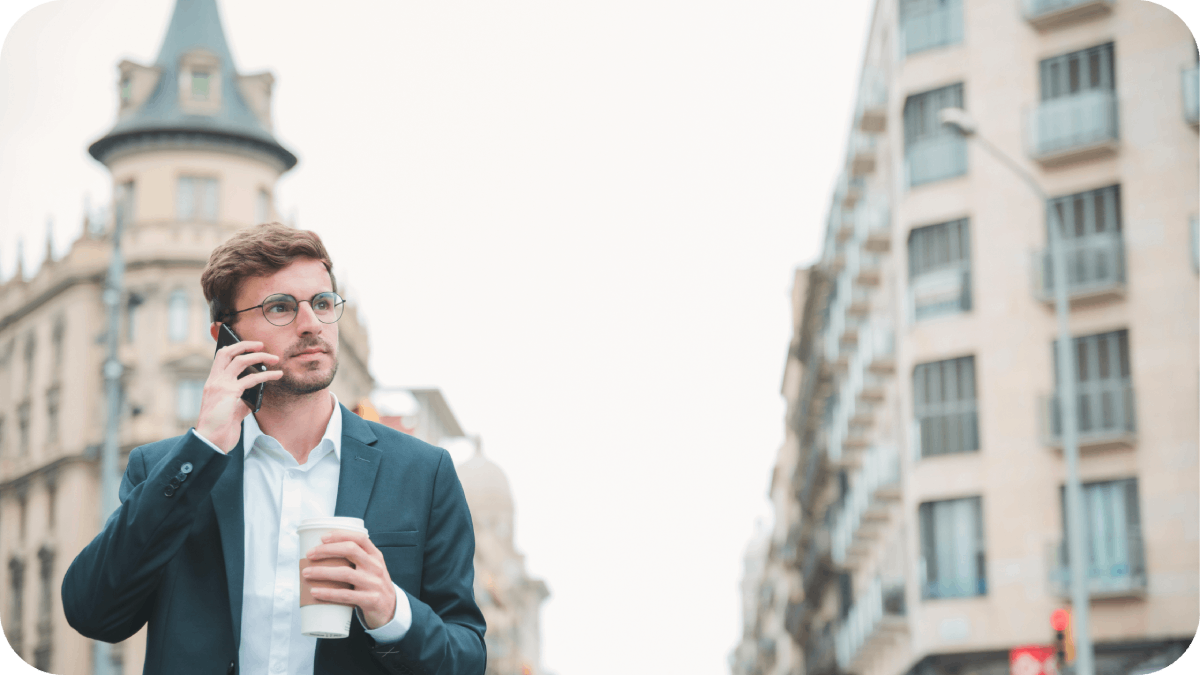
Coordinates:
(173, 557)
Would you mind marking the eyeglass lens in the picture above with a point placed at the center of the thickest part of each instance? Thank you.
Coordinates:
(281, 309)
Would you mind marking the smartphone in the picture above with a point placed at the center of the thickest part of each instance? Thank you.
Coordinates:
(253, 395)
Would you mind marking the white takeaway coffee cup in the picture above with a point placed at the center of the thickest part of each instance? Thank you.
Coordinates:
(321, 619)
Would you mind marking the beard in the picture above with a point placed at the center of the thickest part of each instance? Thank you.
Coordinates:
(308, 381)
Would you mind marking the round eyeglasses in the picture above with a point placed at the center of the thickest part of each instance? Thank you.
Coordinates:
(281, 309)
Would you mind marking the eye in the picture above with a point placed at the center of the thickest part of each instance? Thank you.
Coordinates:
(279, 307)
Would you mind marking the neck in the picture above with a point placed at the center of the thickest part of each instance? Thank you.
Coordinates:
(297, 422)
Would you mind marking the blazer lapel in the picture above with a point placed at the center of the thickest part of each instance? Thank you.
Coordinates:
(228, 502)
(359, 465)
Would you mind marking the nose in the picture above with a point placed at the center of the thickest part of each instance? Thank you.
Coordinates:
(306, 319)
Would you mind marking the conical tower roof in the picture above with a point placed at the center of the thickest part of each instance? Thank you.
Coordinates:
(195, 24)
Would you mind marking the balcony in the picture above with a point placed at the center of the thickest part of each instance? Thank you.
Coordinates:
(873, 624)
(1118, 571)
(1051, 14)
(872, 102)
(862, 154)
(935, 158)
(860, 301)
(843, 224)
(1073, 128)
(820, 652)
(939, 27)
(849, 190)
(850, 329)
(1095, 270)
(1191, 95)
(942, 291)
(1104, 413)
(873, 224)
(817, 569)
(867, 505)
(878, 349)
(865, 266)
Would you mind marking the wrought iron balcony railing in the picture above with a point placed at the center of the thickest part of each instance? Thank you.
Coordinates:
(1116, 567)
(1051, 14)
(878, 616)
(1095, 268)
(935, 158)
(1075, 127)
(1104, 411)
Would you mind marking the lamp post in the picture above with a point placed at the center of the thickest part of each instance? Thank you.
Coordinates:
(960, 122)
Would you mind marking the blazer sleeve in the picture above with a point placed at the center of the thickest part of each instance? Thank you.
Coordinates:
(108, 588)
(446, 636)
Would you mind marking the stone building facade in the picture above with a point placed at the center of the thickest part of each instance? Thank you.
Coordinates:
(930, 468)
(193, 159)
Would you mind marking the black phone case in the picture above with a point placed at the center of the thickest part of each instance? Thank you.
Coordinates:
(253, 395)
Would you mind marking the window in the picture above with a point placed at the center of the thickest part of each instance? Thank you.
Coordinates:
(57, 335)
(1112, 536)
(1103, 385)
(845, 595)
(939, 269)
(23, 428)
(45, 625)
(178, 309)
(123, 203)
(196, 199)
(200, 82)
(262, 207)
(52, 407)
(1078, 72)
(932, 152)
(16, 585)
(926, 24)
(953, 560)
(187, 399)
(131, 313)
(945, 407)
(30, 352)
(1090, 224)
(126, 89)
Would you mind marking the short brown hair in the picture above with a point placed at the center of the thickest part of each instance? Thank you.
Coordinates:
(257, 251)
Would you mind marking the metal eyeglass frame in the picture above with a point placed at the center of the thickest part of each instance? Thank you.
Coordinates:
(340, 301)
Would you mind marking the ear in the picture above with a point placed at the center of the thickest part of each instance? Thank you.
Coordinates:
(212, 330)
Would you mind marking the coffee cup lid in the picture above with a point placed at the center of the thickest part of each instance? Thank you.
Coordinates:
(335, 522)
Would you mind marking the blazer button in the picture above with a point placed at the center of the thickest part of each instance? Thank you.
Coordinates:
(232, 668)
(187, 468)
(174, 483)
(181, 476)
(169, 492)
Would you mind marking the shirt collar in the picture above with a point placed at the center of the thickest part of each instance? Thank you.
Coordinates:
(333, 431)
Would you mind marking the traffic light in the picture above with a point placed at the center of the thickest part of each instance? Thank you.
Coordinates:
(1064, 636)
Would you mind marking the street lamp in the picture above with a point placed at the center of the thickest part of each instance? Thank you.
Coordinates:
(960, 121)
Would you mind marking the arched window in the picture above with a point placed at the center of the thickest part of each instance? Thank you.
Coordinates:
(177, 316)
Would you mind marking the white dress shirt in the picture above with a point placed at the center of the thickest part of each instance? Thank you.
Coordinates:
(278, 494)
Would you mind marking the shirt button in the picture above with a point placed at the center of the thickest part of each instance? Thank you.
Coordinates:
(187, 468)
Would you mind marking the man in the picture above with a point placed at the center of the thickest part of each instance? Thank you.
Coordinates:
(204, 546)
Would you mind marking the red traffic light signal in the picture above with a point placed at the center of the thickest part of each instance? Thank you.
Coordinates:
(1060, 619)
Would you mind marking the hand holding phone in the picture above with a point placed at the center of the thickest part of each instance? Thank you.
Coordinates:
(237, 377)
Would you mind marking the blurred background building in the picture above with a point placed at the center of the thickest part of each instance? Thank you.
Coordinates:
(918, 494)
(193, 158)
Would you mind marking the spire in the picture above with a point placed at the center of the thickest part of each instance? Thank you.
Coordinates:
(195, 43)
(49, 239)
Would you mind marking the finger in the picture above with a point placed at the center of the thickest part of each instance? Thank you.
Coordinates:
(343, 596)
(244, 361)
(345, 549)
(227, 353)
(258, 378)
(357, 578)
(361, 539)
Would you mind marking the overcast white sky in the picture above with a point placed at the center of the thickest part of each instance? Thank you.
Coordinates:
(578, 219)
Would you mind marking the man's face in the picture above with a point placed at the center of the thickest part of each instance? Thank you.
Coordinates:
(307, 348)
